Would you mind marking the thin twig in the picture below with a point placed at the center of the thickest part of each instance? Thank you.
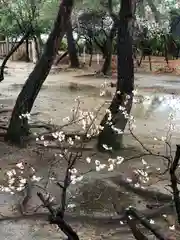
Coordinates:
(174, 181)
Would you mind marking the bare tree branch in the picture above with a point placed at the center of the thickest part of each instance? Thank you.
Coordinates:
(174, 181)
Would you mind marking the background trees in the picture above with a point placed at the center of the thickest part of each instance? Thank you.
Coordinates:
(18, 127)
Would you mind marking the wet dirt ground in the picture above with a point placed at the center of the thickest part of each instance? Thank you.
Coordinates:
(152, 106)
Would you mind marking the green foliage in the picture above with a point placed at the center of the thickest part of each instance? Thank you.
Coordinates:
(18, 15)
(63, 46)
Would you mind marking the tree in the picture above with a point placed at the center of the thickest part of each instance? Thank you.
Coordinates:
(108, 53)
(23, 18)
(14, 48)
(115, 120)
(18, 126)
(72, 46)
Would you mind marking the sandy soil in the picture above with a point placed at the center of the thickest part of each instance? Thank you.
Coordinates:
(95, 193)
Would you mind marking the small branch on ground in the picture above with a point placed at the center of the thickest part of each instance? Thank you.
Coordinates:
(5, 111)
(174, 181)
(45, 126)
(135, 230)
(3, 128)
(146, 223)
(166, 209)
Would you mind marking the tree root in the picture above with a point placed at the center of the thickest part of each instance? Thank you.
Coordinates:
(74, 148)
(144, 221)
(5, 110)
(45, 126)
(165, 209)
(144, 193)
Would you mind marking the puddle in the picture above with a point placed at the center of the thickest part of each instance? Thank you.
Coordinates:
(160, 105)
(173, 81)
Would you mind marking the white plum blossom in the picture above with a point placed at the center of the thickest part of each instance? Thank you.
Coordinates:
(172, 227)
(70, 141)
(11, 173)
(20, 165)
(42, 138)
(137, 185)
(11, 181)
(26, 115)
(111, 167)
(129, 180)
(144, 162)
(152, 221)
(117, 130)
(98, 168)
(35, 178)
(23, 181)
(20, 188)
(73, 170)
(88, 159)
(106, 147)
(46, 143)
(97, 162)
(108, 112)
(119, 160)
(163, 139)
(77, 137)
(102, 93)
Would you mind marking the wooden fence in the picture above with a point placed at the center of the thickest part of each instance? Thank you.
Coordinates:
(5, 47)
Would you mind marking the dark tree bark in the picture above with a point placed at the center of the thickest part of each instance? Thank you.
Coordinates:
(18, 127)
(108, 52)
(122, 101)
(61, 57)
(2, 37)
(72, 46)
(10, 54)
(90, 59)
(27, 50)
(38, 37)
(101, 46)
(36, 47)
(91, 53)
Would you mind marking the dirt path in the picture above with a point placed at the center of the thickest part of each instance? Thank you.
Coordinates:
(55, 102)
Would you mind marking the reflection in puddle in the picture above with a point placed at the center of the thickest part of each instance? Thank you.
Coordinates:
(156, 105)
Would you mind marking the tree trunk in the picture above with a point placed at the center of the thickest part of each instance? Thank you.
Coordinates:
(40, 42)
(91, 53)
(14, 48)
(72, 47)
(108, 55)
(122, 102)
(101, 46)
(90, 59)
(18, 127)
(27, 50)
(36, 47)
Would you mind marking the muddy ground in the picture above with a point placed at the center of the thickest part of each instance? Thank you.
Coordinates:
(157, 96)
